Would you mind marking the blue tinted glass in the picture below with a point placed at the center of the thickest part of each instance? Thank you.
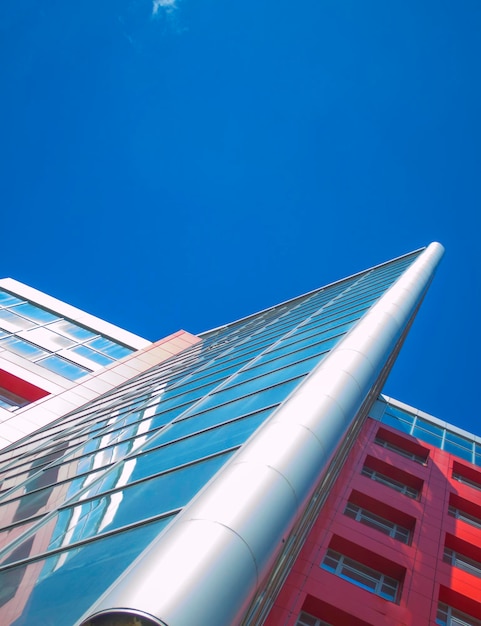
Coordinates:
(202, 378)
(6, 299)
(458, 440)
(52, 594)
(8, 317)
(197, 446)
(22, 348)
(428, 437)
(233, 391)
(35, 313)
(95, 454)
(242, 406)
(397, 422)
(337, 320)
(318, 345)
(72, 330)
(179, 398)
(287, 367)
(97, 357)
(461, 451)
(164, 418)
(279, 358)
(430, 427)
(133, 503)
(109, 347)
(323, 332)
(64, 368)
(44, 499)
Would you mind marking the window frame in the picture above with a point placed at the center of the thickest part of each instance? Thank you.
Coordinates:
(342, 566)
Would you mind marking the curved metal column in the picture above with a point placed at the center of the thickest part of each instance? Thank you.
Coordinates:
(207, 567)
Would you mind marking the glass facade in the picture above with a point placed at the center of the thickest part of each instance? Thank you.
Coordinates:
(81, 498)
(433, 431)
(361, 575)
(57, 344)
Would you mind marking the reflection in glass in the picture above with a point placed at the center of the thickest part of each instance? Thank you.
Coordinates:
(49, 589)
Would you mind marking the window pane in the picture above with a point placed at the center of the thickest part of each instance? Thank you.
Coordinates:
(64, 368)
(133, 503)
(12, 322)
(6, 299)
(90, 354)
(92, 567)
(35, 313)
(72, 330)
(22, 348)
(110, 348)
(396, 421)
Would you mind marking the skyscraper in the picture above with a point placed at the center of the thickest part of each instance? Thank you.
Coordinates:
(186, 487)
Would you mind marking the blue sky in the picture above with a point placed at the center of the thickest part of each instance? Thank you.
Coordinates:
(171, 165)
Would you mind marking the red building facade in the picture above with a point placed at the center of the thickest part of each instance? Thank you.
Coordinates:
(397, 542)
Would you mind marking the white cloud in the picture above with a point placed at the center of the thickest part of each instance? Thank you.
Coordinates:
(167, 5)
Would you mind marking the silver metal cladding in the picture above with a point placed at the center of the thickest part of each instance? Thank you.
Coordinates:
(207, 567)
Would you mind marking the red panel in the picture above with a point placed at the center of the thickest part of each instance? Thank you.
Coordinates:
(20, 387)
(427, 578)
(407, 444)
(460, 602)
(329, 613)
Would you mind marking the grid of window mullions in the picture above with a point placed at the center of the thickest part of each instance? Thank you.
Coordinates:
(338, 317)
(76, 498)
(92, 413)
(295, 350)
(287, 317)
(109, 399)
(361, 575)
(237, 354)
(327, 316)
(212, 399)
(38, 323)
(354, 297)
(78, 501)
(375, 521)
(374, 285)
(405, 453)
(466, 481)
(465, 517)
(253, 373)
(159, 413)
(136, 453)
(251, 363)
(390, 482)
(56, 483)
(462, 562)
(80, 423)
(82, 431)
(71, 546)
(431, 433)
(71, 445)
(299, 311)
(68, 456)
(59, 426)
(305, 619)
(64, 422)
(448, 616)
(278, 328)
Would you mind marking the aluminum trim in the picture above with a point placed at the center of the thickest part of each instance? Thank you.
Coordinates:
(211, 561)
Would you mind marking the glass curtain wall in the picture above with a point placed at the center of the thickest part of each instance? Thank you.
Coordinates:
(81, 498)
